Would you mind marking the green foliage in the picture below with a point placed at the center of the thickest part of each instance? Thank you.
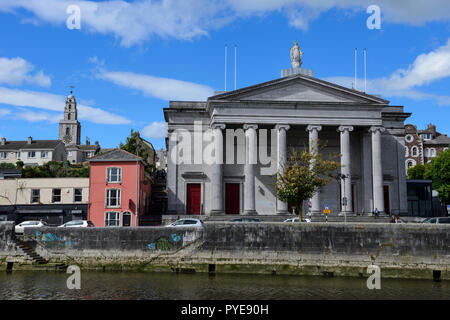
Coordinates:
(57, 169)
(134, 141)
(417, 172)
(304, 174)
(439, 172)
(6, 165)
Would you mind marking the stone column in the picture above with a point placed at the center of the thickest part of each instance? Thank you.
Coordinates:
(314, 148)
(249, 170)
(377, 169)
(282, 207)
(217, 171)
(172, 173)
(346, 184)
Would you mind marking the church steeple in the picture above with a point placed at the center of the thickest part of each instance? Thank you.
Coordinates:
(69, 127)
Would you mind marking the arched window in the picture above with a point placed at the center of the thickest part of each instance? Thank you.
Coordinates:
(432, 152)
(414, 151)
(67, 131)
(409, 164)
(68, 116)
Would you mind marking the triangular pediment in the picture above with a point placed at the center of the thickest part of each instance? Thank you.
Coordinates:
(299, 88)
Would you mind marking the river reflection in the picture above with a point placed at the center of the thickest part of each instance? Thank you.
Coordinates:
(161, 286)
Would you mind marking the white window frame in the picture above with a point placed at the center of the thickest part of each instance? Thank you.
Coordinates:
(410, 161)
(108, 198)
(31, 157)
(409, 138)
(4, 155)
(69, 153)
(416, 153)
(108, 219)
(432, 152)
(44, 154)
(119, 174)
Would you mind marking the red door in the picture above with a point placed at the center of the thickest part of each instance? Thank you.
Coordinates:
(194, 203)
(232, 198)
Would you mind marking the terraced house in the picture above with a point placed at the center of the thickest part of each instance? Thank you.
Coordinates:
(32, 152)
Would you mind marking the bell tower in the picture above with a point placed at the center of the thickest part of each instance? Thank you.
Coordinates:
(69, 127)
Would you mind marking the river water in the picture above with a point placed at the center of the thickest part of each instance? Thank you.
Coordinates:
(159, 286)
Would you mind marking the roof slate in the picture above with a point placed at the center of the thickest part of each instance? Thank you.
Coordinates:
(115, 155)
(35, 144)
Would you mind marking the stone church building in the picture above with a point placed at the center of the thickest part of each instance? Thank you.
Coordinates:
(250, 131)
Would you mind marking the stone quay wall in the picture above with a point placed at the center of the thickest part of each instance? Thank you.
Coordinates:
(6, 239)
(400, 250)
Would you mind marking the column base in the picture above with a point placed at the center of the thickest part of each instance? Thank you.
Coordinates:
(217, 213)
(348, 213)
(249, 213)
(314, 214)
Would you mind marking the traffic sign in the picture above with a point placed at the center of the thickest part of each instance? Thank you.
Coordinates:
(326, 211)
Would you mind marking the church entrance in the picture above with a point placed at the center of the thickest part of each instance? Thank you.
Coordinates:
(194, 198)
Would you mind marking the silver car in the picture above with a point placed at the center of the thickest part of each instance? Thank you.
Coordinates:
(183, 223)
(438, 220)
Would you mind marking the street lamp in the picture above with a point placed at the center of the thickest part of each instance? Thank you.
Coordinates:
(342, 177)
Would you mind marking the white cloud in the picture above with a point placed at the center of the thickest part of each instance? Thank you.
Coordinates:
(53, 102)
(161, 88)
(134, 22)
(15, 71)
(155, 130)
(4, 112)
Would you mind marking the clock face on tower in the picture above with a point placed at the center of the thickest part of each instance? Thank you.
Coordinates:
(67, 138)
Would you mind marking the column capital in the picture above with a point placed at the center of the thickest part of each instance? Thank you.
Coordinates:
(312, 127)
(282, 126)
(374, 129)
(344, 128)
(220, 126)
(250, 126)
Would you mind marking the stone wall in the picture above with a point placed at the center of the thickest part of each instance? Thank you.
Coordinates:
(401, 250)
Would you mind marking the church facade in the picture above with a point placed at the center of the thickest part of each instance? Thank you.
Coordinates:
(70, 134)
(224, 153)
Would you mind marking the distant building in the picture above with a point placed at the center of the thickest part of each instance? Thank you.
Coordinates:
(70, 134)
(55, 200)
(117, 183)
(32, 152)
(423, 145)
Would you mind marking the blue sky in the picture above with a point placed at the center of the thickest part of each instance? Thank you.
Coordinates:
(131, 57)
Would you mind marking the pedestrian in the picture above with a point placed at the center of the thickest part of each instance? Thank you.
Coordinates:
(376, 212)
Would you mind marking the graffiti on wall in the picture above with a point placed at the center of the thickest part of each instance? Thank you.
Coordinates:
(165, 243)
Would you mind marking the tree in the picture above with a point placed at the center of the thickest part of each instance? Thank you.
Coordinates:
(439, 172)
(135, 145)
(304, 174)
(7, 165)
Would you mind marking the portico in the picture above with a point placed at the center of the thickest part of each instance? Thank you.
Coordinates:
(263, 122)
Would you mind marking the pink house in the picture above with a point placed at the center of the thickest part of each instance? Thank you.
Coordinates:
(117, 182)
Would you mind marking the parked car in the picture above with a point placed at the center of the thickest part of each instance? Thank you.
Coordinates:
(245, 220)
(77, 224)
(437, 220)
(27, 224)
(186, 223)
(296, 219)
